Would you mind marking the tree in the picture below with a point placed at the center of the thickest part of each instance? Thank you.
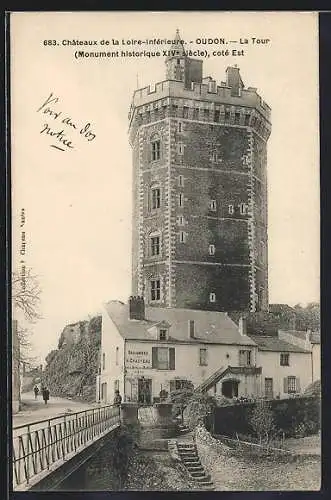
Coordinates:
(195, 405)
(26, 295)
(262, 420)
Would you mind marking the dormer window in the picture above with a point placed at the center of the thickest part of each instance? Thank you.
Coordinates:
(163, 334)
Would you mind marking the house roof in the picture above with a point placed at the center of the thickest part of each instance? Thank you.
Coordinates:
(269, 343)
(210, 327)
(315, 337)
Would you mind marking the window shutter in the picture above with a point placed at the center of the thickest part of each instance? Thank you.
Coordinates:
(297, 384)
(285, 385)
(154, 357)
(171, 358)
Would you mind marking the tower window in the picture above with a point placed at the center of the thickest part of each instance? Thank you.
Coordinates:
(181, 220)
(243, 208)
(180, 149)
(155, 245)
(181, 181)
(182, 237)
(212, 205)
(180, 127)
(211, 249)
(181, 199)
(231, 209)
(155, 290)
(178, 61)
(212, 297)
(155, 198)
(156, 149)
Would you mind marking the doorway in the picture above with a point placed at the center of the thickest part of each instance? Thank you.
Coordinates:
(230, 388)
(145, 391)
(268, 388)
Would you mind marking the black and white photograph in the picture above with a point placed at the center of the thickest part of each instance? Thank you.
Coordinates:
(165, 251)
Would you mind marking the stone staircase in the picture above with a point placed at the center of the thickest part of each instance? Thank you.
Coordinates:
(188, 454)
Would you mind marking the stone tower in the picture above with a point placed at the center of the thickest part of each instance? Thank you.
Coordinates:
(199, 190)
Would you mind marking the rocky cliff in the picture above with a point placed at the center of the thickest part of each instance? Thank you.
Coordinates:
(72, 368)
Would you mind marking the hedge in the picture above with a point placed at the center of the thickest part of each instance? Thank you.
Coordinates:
(294, 417)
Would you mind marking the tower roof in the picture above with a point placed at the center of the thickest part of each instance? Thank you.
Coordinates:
(177, 47)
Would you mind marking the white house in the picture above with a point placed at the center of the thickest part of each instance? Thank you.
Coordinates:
(311, 341)
(148, 350)
(286, 367)
(144, 351)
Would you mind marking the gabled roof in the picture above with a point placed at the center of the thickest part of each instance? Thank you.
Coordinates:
(210, 327)
(269, 343)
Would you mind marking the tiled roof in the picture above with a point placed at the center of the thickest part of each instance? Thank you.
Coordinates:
(268, 343)
(210, 327)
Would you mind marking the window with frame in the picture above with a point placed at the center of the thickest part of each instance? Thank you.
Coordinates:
(155, 198)
(180, 127)
(182, 237)
(243, 208)
(155, 289)
(180, 148)
(247, 118)
(203, 357)
(156, 149)
(284, 359)
(163, 334)
(212, 297)
(237, 118)
(181, 180)
(291, 384)
(231, 209)
(211, 249)
(103, 361)
(181, 199)
(212, 205)
(116, 385)
(245, 357)
(155, 245)
(196, 114)
(185, 112)
(227, 116)
(217, 115)
(163, 358)
(181, 221)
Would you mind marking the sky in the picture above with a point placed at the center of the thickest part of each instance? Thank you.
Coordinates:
(77, 202)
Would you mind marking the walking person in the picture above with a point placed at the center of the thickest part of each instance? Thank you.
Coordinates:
(45, 395)
(36, 391)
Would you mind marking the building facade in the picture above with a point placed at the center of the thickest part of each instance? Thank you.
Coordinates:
(164, 349)
(199, 190)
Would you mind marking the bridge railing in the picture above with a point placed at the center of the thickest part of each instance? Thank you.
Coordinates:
(43, 446)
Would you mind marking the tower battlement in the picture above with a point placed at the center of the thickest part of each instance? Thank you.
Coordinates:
(199, 190)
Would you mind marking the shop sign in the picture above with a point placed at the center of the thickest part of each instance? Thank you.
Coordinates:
(137, 360)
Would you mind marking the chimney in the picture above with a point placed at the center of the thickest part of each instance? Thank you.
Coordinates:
(233, 80)
(136, 307)
(242, 326)
(191, 329)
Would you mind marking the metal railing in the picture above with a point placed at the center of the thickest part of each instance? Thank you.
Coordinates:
(43, 446)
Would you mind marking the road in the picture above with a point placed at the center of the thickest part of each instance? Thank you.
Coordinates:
(35, 409)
